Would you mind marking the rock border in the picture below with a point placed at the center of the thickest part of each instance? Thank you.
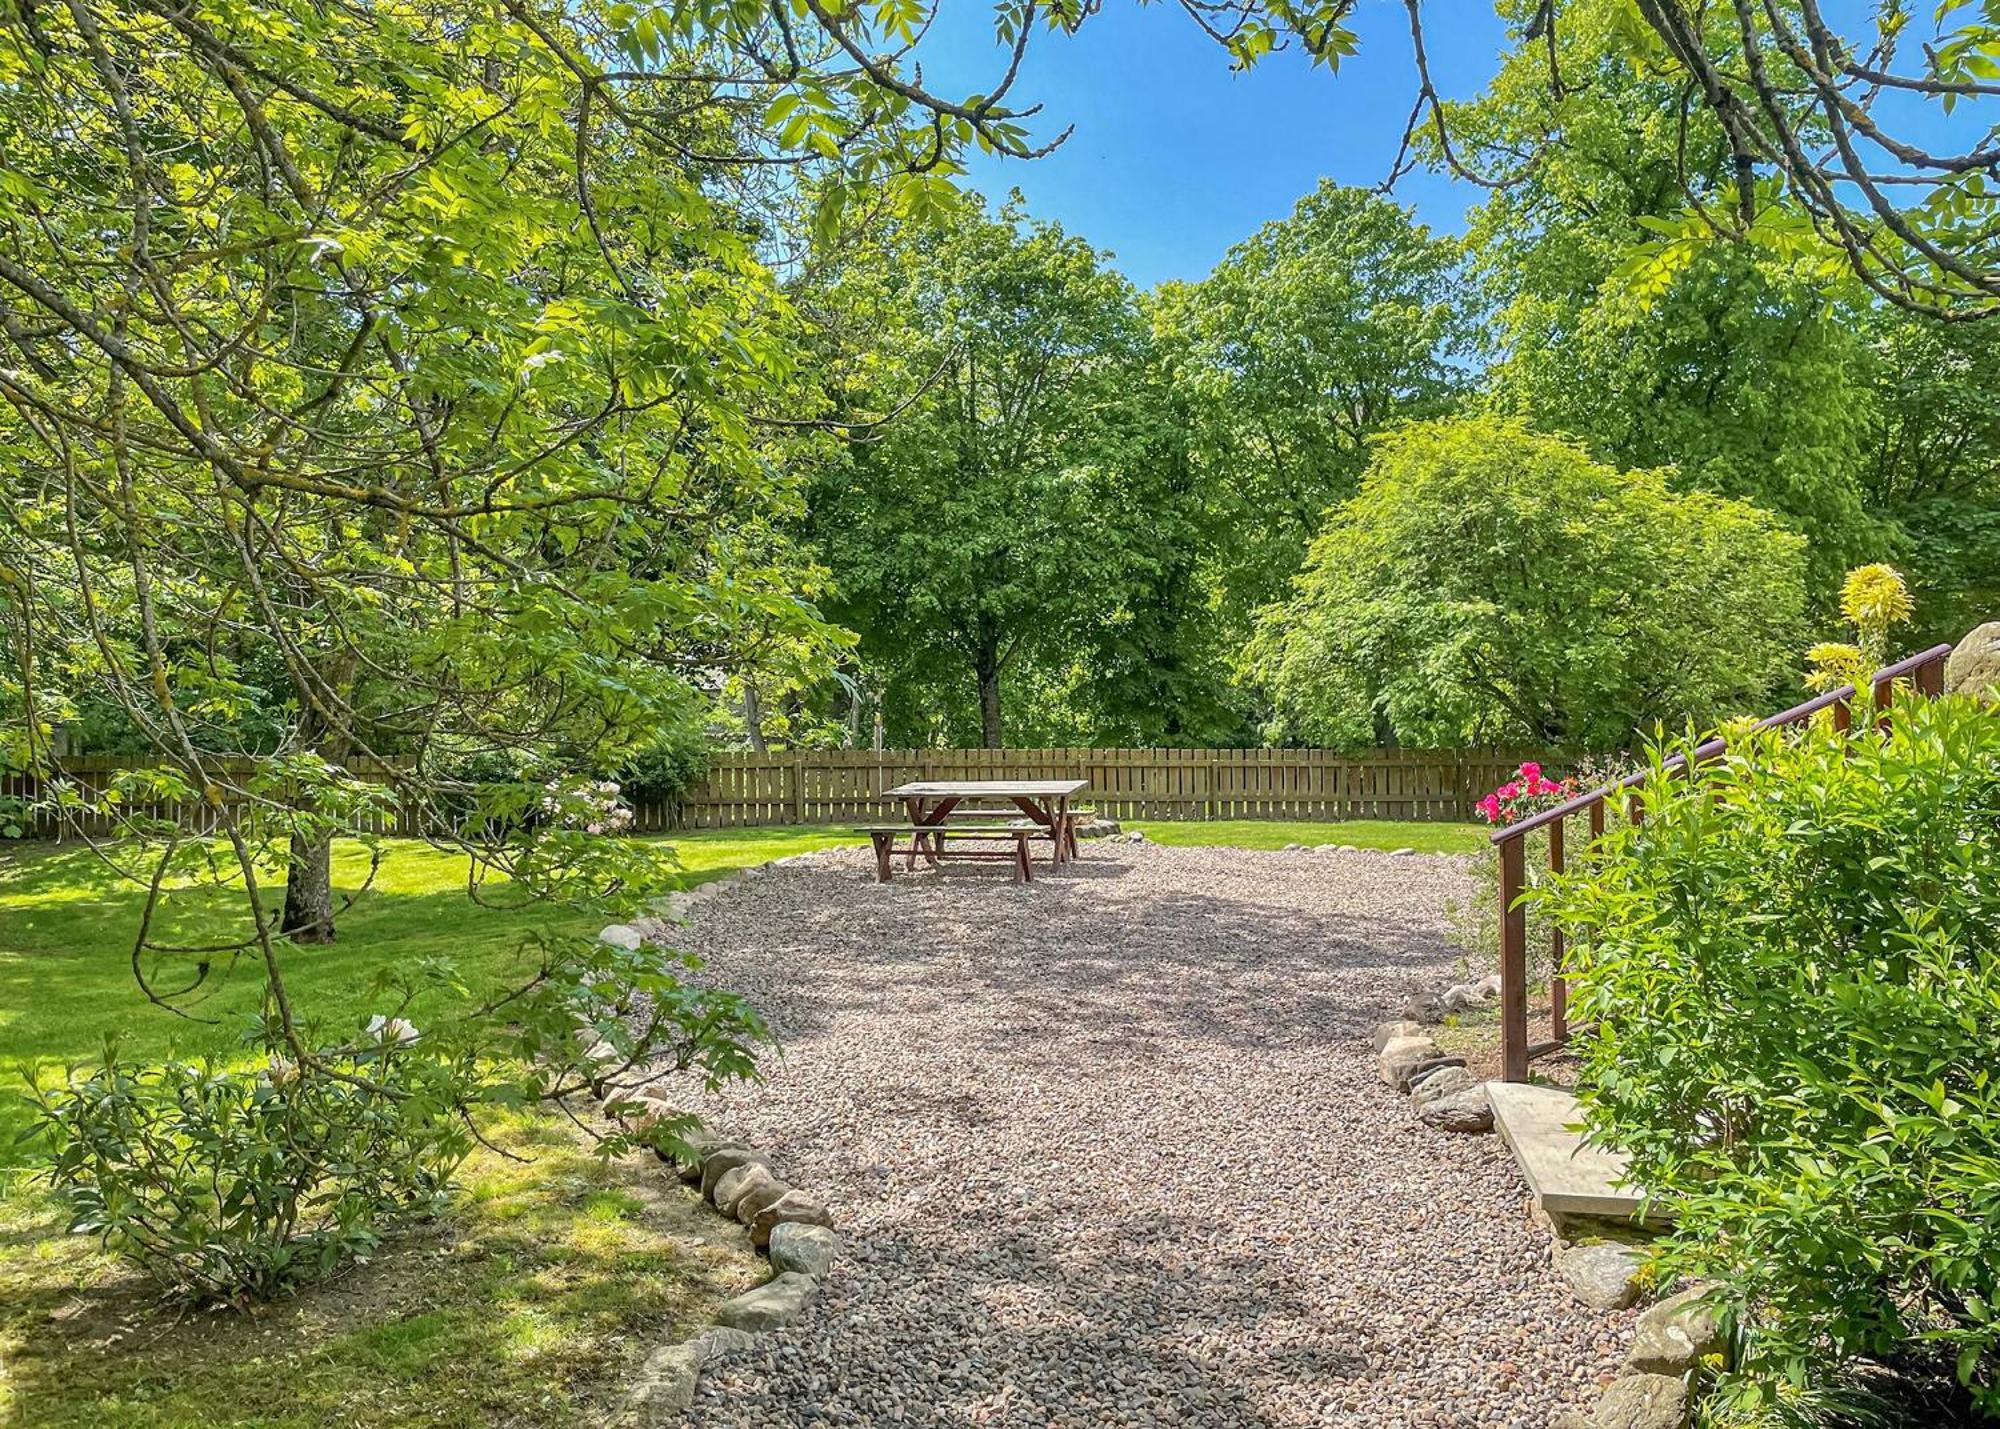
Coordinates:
(1605, 1264)
(1444, 1094)
(793, 1229)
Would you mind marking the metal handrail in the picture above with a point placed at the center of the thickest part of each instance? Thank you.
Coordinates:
(1924, 670)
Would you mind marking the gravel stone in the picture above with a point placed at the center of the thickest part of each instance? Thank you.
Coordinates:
(620, 935)
(1108, 1149)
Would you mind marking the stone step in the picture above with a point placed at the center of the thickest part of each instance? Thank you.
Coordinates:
(1566, 1176)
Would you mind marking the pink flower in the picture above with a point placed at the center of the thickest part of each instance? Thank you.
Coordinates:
(1509, 791)
(1531, 771)
(1490, 807)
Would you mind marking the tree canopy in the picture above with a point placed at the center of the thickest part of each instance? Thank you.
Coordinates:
(1492, 584)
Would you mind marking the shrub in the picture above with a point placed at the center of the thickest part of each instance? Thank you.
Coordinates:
(229, 1184)
(665, 771)
(1793, 971)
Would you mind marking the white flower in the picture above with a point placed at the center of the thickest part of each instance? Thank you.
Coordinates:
(391, 1029)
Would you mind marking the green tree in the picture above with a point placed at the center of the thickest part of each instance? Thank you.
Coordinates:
(1492, 585)
(1320, 330)
(987, 525)
(1745, 370)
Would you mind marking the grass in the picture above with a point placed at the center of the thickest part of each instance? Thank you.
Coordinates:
(1362, 833)
(526, 1305)
(65, 964)
(529, 1303)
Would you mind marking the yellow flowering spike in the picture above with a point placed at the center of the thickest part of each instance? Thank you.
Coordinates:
(1875, 597)
(1833, 664)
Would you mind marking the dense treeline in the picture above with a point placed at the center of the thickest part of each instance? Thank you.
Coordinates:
(1103, 514)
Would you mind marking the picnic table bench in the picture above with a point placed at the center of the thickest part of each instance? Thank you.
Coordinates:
(935, 819)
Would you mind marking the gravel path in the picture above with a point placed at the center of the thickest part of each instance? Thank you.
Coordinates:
(1109, 1149)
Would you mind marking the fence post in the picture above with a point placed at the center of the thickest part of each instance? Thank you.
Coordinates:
(798, 787)
(1513, 963)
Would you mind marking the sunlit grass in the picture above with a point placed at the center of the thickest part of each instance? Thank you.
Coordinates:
(1362, 833)
(67, 925)
(529, 1303)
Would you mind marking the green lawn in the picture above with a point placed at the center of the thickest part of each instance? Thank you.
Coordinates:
(1362, 833)
(66, 928)
(528, 1304)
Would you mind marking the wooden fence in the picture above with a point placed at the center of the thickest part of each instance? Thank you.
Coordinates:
(837, 786)
(834, 786)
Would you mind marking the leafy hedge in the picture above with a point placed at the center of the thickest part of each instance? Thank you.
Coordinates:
(1793, 966)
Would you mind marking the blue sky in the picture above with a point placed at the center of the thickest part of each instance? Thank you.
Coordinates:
(1174, 157)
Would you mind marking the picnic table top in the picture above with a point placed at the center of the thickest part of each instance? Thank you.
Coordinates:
(998, 788)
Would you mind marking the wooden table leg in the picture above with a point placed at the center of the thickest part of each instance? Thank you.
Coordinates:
(885, 845)
(1024, 868)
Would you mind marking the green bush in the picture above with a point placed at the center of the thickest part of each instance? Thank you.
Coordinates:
(1793, 967)
(225, 1185)
(665, 771)
(232, 1184)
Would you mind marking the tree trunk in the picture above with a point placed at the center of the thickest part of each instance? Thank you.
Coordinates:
(309, 890)
(753, 716)
(987, 668)
(308, 916)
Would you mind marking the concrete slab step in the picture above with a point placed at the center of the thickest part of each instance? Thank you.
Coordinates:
(1566, 1176)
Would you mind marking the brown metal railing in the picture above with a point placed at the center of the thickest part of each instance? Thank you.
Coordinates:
(1924, 675)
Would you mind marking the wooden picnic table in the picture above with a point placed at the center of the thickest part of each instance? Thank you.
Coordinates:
(930, 803)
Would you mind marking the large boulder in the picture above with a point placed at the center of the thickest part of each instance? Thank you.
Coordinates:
(724, 1159)
(1974, 666)
(1468, 1112)
(1401, 1056)
(1442, 1082)
(792, 1208)
(1605, 1275)
(1642, 1401)
(803, 1248)
(1387, 1032)
(750, 1177)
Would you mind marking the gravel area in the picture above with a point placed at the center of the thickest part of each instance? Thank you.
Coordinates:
(1109, 1149)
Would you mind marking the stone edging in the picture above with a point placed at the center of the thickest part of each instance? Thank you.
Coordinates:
(1445, 1094)
(1673, 1339)
(794, 1229)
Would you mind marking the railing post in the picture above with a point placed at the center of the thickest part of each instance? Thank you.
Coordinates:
(1513, 963)
(1558, 984)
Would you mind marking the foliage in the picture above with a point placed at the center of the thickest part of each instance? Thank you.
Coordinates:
(529, 1301)
(667, 769)
(1493, 585)
(995, 522)
(1873, 599)
(295, 1181)
(1309, 337)
(230, 1183)
(1793, 975)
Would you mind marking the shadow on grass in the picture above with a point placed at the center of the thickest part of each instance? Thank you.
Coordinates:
(529, 1303)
